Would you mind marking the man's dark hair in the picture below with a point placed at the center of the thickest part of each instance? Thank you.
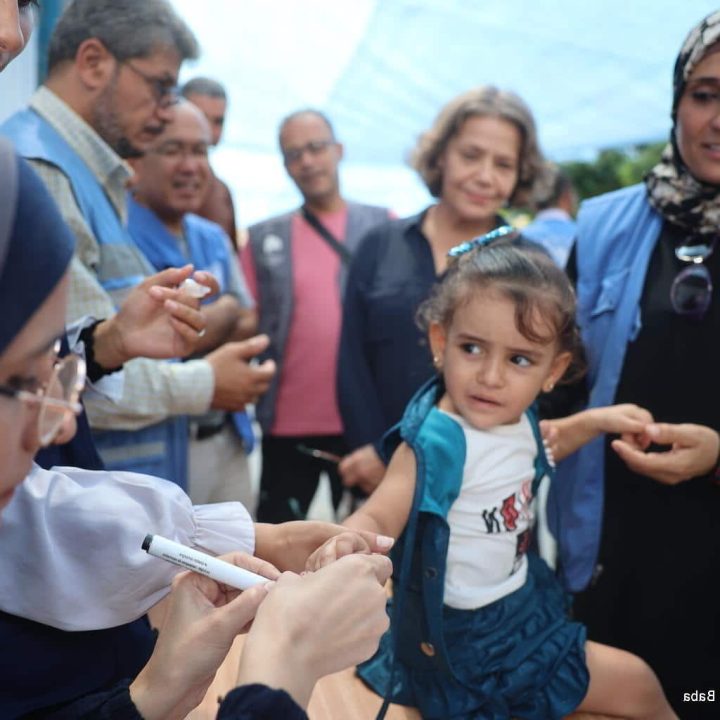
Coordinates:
(206, 87)
(127, 28)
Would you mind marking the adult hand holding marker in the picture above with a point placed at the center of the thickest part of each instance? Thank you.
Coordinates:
(202, 563)
(304, 628)
(203, 618)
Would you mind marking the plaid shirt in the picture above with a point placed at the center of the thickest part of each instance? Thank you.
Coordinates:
(152, 389)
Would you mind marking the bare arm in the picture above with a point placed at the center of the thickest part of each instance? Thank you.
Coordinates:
(388, 508)
(385, 512)
(288, 545)
(568, 434)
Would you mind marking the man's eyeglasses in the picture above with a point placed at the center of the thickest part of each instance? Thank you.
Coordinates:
(175, 151)
(164, 92)
(691, 291)
(57, 398)
(314, 147)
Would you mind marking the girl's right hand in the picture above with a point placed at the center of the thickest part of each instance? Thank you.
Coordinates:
(346, 543)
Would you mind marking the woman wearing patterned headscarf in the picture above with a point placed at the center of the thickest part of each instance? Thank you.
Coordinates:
(643, 526)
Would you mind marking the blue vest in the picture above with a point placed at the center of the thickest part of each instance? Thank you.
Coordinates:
(419, 557)
(160, 449)
(209, 249)
(617, 233)
(207, 242)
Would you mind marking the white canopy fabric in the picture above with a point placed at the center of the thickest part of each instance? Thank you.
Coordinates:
(596, 74)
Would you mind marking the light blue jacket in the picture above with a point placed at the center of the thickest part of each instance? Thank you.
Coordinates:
(617, 233)
(159, 449)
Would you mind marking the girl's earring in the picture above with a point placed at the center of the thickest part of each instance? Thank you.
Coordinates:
(548, 387)
(436, 362)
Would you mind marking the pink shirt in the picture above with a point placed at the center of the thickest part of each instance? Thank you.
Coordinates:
(306, 400)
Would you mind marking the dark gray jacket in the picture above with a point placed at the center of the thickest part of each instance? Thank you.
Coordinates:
(269, 242)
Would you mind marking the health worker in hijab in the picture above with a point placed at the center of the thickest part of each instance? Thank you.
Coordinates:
(642, 527)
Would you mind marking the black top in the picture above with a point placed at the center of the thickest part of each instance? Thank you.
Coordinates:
(660, 548)
(384, 356)
(671, 367)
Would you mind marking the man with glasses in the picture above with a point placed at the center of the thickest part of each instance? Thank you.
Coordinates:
(295, 264)
(170, 184)
(113, 67)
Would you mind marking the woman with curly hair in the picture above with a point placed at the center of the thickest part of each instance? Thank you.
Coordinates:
(480, 155)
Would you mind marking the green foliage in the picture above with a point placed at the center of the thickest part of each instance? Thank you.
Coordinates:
(613, 169)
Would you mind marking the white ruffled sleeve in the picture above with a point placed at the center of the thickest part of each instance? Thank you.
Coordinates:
(70, 544)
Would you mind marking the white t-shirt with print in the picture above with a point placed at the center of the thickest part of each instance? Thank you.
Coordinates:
(490, 521)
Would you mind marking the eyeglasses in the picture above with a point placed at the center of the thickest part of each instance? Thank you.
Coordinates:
(57, 398)
(175, 151)
(314, 147)
(691, 291)
(164, 92)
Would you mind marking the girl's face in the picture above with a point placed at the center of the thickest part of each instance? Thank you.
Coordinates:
(698, 120)
(16, 24)
(492, 372)
(27, 364)
(480, 168)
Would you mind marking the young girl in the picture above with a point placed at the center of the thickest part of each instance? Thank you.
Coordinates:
(479, 625)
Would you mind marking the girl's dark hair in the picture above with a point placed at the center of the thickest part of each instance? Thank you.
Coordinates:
(522, 271)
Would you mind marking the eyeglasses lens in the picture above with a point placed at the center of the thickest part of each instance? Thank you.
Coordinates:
(61, 386)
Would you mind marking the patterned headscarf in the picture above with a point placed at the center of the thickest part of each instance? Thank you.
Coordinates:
(35, 244)
(672, 190)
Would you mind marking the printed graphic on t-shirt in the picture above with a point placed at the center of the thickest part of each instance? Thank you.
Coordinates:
(523, 545)
(505, 516)
(513, 513)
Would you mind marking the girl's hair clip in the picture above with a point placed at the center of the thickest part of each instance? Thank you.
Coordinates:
(481, 241)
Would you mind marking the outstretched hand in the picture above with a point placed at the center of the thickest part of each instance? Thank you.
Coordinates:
(564, 436)
(289, 545)
(347, 543)
(693, 452)
(157, 320)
